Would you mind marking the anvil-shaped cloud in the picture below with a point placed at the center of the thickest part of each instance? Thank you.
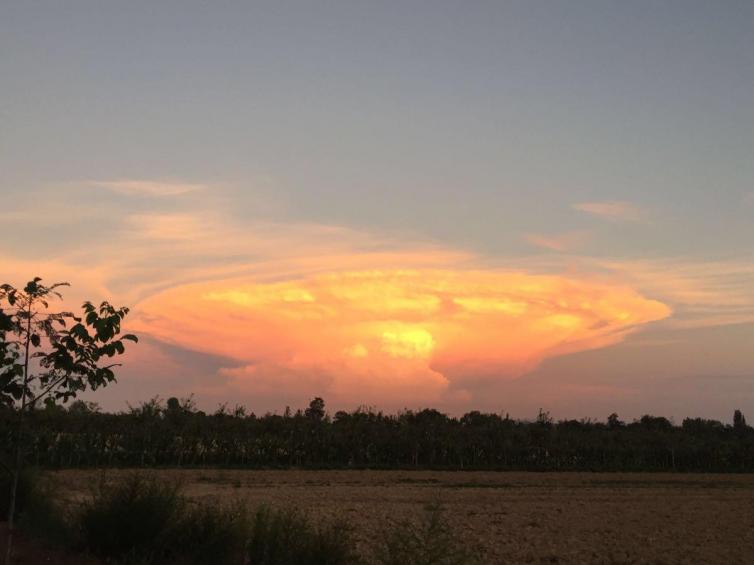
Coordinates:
(393, 335)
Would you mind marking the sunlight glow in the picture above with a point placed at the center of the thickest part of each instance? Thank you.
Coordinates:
(377, 333)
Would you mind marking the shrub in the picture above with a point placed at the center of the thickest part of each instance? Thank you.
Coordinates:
(287, 537)
(43, 518)
(144, 520)
(210, 534)
(36, 512)
(27, 481)
(431, 541)
(131, 520)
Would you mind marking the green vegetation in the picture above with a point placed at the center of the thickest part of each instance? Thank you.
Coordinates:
(430, 541)
(145, 520)
(209, 534)
(40, 516)
(48, 356)
(176, 434)
(148, 521)
(287, 537)
(133, 520)
(24, 490)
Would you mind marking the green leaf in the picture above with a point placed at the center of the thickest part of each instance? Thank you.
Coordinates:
(131, 337)
(35, 340)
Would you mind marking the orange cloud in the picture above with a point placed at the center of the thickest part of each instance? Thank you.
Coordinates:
(392, 335)
(294, 309)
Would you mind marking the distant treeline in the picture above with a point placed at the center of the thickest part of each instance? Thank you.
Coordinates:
(176, 434)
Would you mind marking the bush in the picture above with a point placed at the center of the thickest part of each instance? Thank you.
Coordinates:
(144, 520)
(36, 512)
(131, 520)
(431, 541)
(208, 534)
(27, 481)
(289, 538)
(44, 520)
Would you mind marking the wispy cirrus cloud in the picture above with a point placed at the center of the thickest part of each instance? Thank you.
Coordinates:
(613, 210)
(702, 293)
(566, 241)
(148, 187)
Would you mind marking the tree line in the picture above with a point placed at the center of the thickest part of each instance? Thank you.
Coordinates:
(176, 434)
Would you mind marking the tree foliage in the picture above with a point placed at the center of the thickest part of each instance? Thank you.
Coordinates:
(49, 356)
(67, 350)
(177, 434)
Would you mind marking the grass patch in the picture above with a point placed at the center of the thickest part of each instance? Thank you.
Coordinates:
(144, 520)
(208, 534)
(430, 541)
(288, 537)
(131, 520)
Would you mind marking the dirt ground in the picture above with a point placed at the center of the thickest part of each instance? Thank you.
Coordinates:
(509, 517)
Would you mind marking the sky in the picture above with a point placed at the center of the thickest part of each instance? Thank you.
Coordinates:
(499, 206)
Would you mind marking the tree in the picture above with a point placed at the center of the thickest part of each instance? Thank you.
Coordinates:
(739, 422)
(83, 407)
(316, 410)
(614, 422)
(48, 355)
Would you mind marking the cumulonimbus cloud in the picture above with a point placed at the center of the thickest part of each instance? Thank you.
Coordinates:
(408, 334)
(314, 309)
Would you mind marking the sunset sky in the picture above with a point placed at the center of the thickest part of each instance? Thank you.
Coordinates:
(501, 206)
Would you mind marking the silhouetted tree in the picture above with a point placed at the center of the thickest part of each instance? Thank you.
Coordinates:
(50, 355)
(739, 422)
(155, 433)
(613, 421)
(316, 410)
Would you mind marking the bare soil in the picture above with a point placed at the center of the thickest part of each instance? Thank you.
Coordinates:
(506, 517)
